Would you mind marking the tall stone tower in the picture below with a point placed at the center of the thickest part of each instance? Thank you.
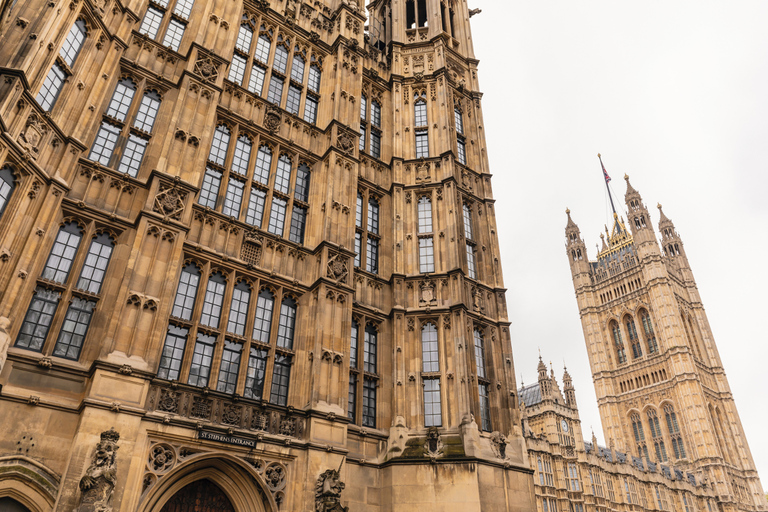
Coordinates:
(249, 259)
(662, 391)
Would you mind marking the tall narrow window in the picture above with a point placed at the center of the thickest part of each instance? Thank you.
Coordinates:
(263, 322)
(238, 309)
(674, 432)
(298, 221)
(658, 441)
(352, 398)
(63, 253)
(621, 355)
(184, 303)
(277, 217)
(286, 324)
(433, 416)
(255, 212)
(219, 145)
(634, 340)
(234, 198)
(369, 402)
(461, 145)
(369, 349)
(38, 319)
(471, 269)
(637, 429)
(7, 185)
(426, 255)
(254, 380)
(283, 174)
(281, 376)
(650, 337)
(214, 296)
(479, 354)
(209, 192)
(485, 407)
(301, 192)
(467, 213)
(367, 229)
(263, 164)
(242, 155)
(353, 344)
(372, 256)
(421, 126)
(229, 368)
(173, 353)
(61, 68)
(202, 356)
(373, 216)
(425, 215)
(429, 350)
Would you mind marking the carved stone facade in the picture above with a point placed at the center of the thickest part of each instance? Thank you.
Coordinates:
(256, 237)
(577, 474)
(661, 388)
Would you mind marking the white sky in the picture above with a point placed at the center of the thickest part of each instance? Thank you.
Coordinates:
(671, 93)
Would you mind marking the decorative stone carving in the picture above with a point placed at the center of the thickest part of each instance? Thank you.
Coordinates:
(169, 202)
(499, 445)
(252, 249)
(161, 458)
(328, 492)
(478, 302)
(427, 297)
(338, 267)
(32, 135)
(346, 142)
(433, 446)
(5, 340)
(101, 476)
(206, 68)
(272, 119)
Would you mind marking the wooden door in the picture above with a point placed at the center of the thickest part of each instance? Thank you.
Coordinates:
(200, 496)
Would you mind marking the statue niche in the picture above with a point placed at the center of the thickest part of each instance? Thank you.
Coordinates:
(101, 476)
(328, 492)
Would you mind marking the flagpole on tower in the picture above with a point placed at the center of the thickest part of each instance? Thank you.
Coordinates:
(607, 180)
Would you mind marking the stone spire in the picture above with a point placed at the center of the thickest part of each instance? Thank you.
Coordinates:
(544, 383)
(570, 392)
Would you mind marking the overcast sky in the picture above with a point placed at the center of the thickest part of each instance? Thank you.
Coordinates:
(671, 93)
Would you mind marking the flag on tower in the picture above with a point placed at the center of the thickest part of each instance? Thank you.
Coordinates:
(605, 173)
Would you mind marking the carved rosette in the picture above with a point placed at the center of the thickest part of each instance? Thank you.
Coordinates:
(206, 68)
(346, 142)
(338, 267)
(169, 202)
(272, 119)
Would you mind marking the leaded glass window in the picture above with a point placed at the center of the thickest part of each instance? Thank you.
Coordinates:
(302, 183)
(297, 68)
(254, 380)
(219, 145)
(277, 217)
(255, 211)
(209, 192)
(38, 319)
(263, 322)
(429, 348)
(7, 185)
(234, 198)
(202, 356)
(214, 296)
(74, 328)
(95, 266)
(479, 354)
(283, 174)
(425, 215)
(263, 163)
(229, 368)
(369, 403)
(173, 353)
(485, 407)
(369, 349)
(426, 255)
(242, 155)
(63, 253)
(298, 221)
(238, 310)
(433, 416)
(281, 376)
(286, 323)
(184, 303)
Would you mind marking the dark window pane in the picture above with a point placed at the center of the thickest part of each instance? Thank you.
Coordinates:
(286, 323)
(238, 311)
(74, 329)
(479, 354)
(230, 366)
(201, 360)
(281, 376)
(263, 322)
(263, 163)
(369, 403)
(210, 189)
(298, 220)
(254, 380)
(214, 296)
(173, 353)
(184, 303)
(38, 319)
(302, 183)
(369, 349)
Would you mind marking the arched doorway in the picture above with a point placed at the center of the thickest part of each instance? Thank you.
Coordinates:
(200, 496)
(11, 505)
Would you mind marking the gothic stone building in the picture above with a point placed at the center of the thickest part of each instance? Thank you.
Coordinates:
(249, 261)
(573, 475)
(662, 392)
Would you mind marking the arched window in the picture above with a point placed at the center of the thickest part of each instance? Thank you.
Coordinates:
(7, 185)
(286, 324)
(637, 429)
(184, 303)
(634, 340)
(263, 164)
(219, 145)
(283, 174)
(263, 322)
(214, 296)
(425, 215)
(429, 348)
(242, 155)
(658, 440)
(95, 266)
(58, 73)
(674, 432)
(297, 67)
(238, 310)
(650, 336)
(621, 355)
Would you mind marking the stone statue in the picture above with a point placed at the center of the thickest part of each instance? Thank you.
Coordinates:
(328, 492)
(5, 340)
(101, 476)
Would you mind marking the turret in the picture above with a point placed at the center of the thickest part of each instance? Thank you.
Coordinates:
(570, 392)
(544, 383)
(639, 221)
(670, 239)
(577, 251)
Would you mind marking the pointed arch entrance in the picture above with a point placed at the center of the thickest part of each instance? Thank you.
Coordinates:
(210, 482)
(200, 496)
